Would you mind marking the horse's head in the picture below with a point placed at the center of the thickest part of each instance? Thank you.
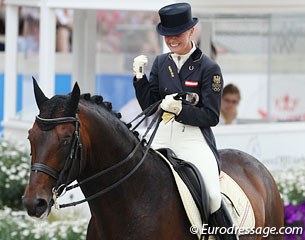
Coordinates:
(54, 147)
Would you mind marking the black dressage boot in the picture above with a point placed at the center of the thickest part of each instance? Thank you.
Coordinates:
(222, 219)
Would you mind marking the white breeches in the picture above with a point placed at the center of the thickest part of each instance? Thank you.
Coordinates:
(189, 144)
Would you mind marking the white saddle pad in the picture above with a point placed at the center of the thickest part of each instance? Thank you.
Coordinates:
(230, 188)
(244, 219)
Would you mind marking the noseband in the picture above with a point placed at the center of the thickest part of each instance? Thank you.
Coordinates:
(76, 147)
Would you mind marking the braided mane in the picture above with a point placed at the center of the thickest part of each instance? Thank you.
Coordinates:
(98, 100)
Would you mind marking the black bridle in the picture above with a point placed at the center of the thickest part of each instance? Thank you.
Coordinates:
(75, 152)
(76, 147)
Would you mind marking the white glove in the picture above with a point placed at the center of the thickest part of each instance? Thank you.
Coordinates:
(138, 65)
(169, 104)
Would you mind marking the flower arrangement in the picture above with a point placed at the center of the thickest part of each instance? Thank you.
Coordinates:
(291, 184)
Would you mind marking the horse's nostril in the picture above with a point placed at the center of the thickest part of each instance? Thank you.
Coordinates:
(35, 207)
(41, 203)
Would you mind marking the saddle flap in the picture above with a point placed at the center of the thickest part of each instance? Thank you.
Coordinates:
(192, 178)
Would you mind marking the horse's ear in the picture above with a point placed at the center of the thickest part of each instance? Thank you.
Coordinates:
(75, 94)
(39, 95)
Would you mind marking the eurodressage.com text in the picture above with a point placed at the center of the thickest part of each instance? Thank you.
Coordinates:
(264, 231)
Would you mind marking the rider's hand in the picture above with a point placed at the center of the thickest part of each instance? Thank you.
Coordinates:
(169, 104)
(138, 66)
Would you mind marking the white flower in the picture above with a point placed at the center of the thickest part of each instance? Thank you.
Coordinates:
(37, 236)
(22, 173)
(14, 153)
(76, 229)
(12, 177)
(4, 169)
(4, 144)
(26, 232)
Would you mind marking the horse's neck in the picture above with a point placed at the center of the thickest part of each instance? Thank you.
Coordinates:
(148, 187)
(106, 143)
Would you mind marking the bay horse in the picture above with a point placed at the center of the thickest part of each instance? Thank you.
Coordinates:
(144, 206)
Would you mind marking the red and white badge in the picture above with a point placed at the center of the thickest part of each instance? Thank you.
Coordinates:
(191, 83)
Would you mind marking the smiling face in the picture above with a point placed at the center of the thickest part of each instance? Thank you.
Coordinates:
(180, 44)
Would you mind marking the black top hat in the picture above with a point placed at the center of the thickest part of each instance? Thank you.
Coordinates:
(175, 19)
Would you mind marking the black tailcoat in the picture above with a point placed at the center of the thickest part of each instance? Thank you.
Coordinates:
(198, 74)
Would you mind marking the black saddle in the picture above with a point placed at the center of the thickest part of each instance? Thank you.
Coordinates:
(193, 180)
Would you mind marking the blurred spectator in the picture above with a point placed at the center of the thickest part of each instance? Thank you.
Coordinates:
(109, 37)
(64, 23)
(28, 40)
(229, 103)
(128, 32)
(151, 41)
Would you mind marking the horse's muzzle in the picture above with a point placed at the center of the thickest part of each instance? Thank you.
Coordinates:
(37, 207)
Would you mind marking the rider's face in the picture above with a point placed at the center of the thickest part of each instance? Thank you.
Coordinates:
(180, 44)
